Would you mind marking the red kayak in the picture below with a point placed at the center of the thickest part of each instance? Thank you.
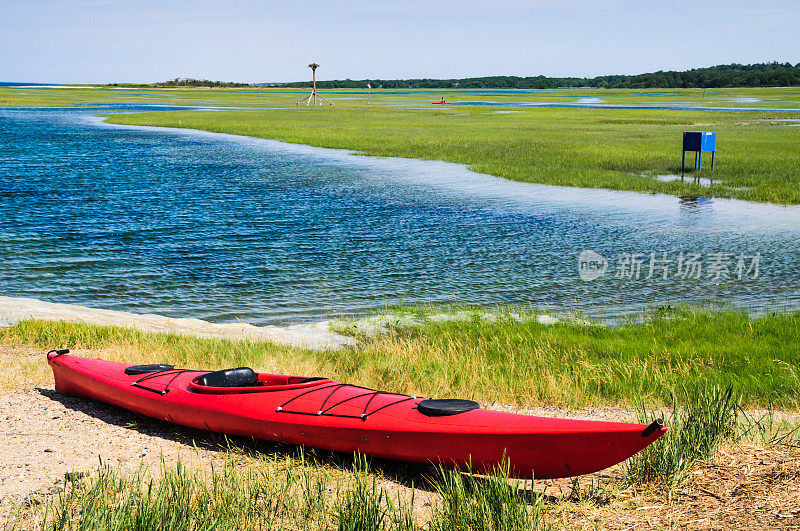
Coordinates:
(324, 414)
(441, 103)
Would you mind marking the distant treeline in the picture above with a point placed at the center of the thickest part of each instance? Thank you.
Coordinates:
(183, 82)
(733, 75)
(189, 82)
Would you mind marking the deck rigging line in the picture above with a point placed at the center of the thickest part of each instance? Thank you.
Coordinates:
(325, 412)
(162, 392)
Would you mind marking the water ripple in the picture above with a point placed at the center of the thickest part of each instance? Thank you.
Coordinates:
(230, 228)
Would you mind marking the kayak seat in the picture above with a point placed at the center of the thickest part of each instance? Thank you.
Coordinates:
(238, 377)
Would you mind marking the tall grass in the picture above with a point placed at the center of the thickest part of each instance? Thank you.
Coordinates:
(506, 361)
(699, 421)
(365, 506)
(574, 364)
(491, 503)
(180, 499)
(270, 495)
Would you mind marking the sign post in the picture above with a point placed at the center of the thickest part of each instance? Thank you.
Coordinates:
(698, 141)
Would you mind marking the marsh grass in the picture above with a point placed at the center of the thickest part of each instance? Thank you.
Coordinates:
(486, 503)
(576, 363)
(589, 148)
(507, 360)
(271, 494)
(363, 505)
(252, 490)
(252, 497)
(698, 422)
(127, 345)
(266, 493)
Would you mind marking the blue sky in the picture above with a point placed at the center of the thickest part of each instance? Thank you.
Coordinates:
(256, 41)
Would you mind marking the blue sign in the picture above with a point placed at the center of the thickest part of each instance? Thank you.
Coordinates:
(699, 141)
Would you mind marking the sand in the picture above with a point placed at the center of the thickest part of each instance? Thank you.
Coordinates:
(313, 335)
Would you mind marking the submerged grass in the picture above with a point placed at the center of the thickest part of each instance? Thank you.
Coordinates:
(510, 360)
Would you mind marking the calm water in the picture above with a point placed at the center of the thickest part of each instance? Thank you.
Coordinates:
(225, 228)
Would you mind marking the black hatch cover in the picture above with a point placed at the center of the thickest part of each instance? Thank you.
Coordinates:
(446, 407)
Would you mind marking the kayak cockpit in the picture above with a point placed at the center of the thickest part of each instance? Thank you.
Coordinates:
(245, 379)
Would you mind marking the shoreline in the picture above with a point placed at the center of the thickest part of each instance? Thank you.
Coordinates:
(603, 194)
(608, 196)
(317, 336)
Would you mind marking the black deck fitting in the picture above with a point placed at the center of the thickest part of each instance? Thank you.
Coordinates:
(651, 429)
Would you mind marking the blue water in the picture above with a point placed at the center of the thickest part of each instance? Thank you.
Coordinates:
(224, 228)
(12, 84)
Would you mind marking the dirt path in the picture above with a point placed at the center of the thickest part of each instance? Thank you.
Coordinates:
(46, 435)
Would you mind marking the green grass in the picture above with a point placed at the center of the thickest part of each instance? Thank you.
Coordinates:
(471, 357)
(269, 493)
(617, 149)
(68, 97)
(266, 495)
(773, 97)
(365, 506)
(595, 148)
(706, 416)
(574, 364)
(492, 503)
(507, 361)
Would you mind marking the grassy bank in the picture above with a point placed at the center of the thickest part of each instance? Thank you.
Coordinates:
(593, 148)
(511, 360)
(677, 360)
